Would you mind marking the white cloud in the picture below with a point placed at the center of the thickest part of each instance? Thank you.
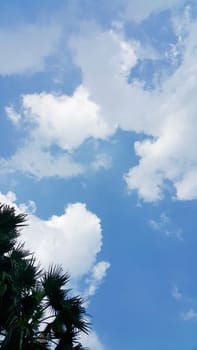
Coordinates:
(24, 48)
(145, 180)
(95, 109)
(101, 161)
(165, 225)
(105, 101)
(8, 198)
(73, 239)
(176, 293)
(161, 223)
(189, 315)
(171, 155)
(97, 274)
(12, 115)
(64, 120)
(186, 188)
(33, 160)
(167, 114)
(105, 71)
(91, 341)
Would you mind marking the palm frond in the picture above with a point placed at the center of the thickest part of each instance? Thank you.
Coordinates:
(25, 273)
(9, 220)
(36, 311)
(75, 313)
(55, 277)
(10, 225)
(19, 253)
(53, 283)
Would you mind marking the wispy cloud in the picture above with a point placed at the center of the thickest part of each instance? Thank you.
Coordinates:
(29, 44)
(189, 315)
(165, 225)
(98, 273)
(91, 341)
(176, 294)
(12, 115)
(102, 160)
(33, 160)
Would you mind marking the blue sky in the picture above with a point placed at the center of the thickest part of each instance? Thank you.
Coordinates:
(98, 146)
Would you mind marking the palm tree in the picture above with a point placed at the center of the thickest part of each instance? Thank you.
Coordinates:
(68, 312)
(36, 309)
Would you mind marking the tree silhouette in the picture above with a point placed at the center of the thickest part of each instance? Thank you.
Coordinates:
(37, 311)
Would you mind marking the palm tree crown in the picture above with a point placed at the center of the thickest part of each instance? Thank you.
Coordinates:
(36, 309)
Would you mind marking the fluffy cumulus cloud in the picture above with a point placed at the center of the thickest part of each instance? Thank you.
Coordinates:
(166, 114)
(67, 121)
(29, 44)
(64, 120)
(61, 121)
(73, 239)
(106, 100)
(170, 153)
(105, 73)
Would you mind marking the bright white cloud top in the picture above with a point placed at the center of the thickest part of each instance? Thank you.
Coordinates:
(64, 120)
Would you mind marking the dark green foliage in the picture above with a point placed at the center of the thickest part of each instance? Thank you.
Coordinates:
(36, 309)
